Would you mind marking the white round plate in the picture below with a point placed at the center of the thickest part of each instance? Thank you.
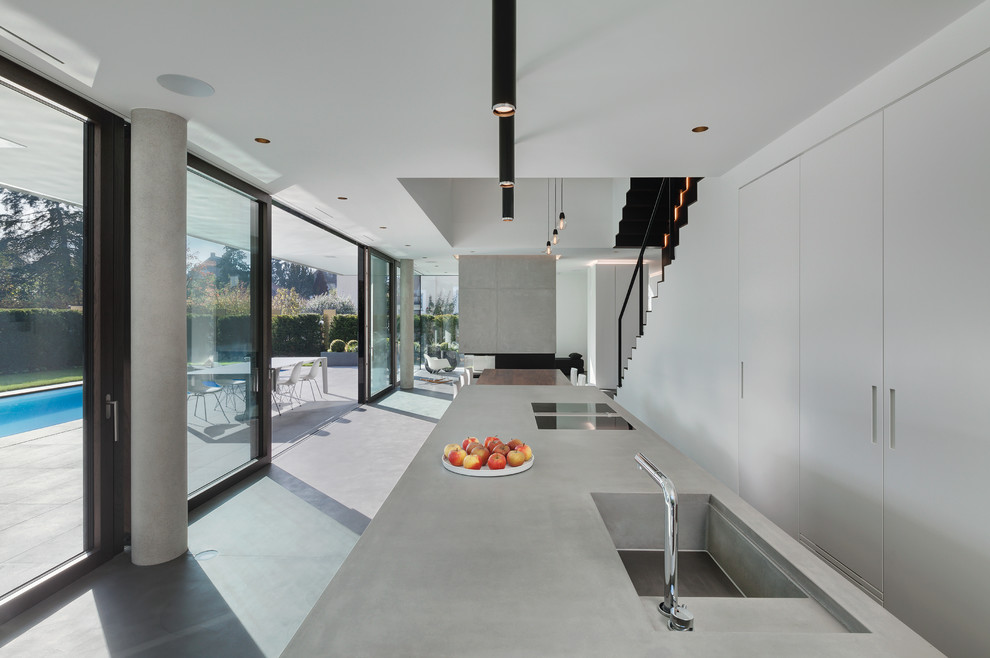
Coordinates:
(484, 471)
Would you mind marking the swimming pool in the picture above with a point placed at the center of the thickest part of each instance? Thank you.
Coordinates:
(31, 411)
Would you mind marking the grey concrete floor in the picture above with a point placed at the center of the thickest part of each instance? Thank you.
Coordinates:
(259, 556)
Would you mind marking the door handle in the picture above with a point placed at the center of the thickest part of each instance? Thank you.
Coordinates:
(875, 415)
(110, 407)
(890, 426)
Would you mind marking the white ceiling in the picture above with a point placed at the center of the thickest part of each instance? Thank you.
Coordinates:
(365, 99)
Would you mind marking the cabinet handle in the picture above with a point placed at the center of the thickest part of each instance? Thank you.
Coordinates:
(742, 379)
(890, 428)
(875, 415)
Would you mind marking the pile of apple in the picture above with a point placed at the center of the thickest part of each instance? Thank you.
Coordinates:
(494, 454)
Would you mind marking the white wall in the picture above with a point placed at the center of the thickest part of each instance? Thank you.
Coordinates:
(683, 377)
(572, 313)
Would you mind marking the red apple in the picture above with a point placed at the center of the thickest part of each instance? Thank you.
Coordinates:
(449, 447)
(482, 452)
(502, 449)
(490, 440)
(496, 462)
(513, 443)
(468, 441)
(515, 458)
(525, 450)
(456, 457)
(472, 462)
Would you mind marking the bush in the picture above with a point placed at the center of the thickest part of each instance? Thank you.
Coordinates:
(35, 339)
(337, 345)
(352, 346)
(330, 301)
(296, 335)
(342, 327)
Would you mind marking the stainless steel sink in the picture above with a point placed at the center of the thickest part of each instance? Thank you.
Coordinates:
(727, 573)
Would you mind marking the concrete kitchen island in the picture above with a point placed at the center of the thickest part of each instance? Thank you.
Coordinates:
(524, 565)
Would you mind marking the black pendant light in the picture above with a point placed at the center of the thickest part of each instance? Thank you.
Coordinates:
(555, 237)
(561, 224)
(507, 204)
(504, 57)
(506, 152)
(549, 218)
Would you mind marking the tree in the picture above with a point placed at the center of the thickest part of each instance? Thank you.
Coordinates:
(42, 245)
(444, 304)
(291, 276)
(233, 264)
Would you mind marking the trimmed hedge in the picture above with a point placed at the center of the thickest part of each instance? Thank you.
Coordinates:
(342, 327)
(296, 335)
(36, 339)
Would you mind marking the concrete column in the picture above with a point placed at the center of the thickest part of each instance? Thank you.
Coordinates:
(407, 332)
(159, 518)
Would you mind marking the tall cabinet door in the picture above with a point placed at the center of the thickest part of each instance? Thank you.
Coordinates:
(937, 362)
(768, 345)
(842, 349)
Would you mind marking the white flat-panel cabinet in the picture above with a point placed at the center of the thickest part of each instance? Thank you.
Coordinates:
(768, 345)
(841, 505)
(937, 361)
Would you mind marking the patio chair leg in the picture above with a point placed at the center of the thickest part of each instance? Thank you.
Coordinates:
(217, 396)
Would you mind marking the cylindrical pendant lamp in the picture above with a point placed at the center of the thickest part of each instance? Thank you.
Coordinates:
(507, 152)
(504, 57)
(508, 211)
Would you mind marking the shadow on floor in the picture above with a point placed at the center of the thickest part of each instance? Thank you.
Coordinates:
(134, 605)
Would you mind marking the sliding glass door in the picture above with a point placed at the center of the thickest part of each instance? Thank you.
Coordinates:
(222, 303)
(59, 372)
(380, 322)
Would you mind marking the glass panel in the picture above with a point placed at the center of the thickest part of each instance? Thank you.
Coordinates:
(437, 319)
(42, 339)
(222, 358)
(381, 357)
(314, 313)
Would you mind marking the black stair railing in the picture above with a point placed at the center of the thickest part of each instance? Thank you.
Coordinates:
(638, 272)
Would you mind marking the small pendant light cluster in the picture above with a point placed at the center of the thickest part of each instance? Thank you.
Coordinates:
(504, 97)
(554, 238)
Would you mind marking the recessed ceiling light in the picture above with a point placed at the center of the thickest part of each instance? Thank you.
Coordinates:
(699, 129)
(185, 85)
(342, 198)
(262, 140)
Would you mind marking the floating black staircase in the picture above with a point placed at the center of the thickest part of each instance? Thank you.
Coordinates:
(655, 211)
(640, 201)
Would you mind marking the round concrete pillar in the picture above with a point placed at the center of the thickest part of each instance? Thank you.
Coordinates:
(159, 517)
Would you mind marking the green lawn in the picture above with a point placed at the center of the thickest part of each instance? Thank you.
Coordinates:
(32, 379)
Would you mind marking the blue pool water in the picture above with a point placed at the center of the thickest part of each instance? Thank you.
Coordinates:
(31, 411)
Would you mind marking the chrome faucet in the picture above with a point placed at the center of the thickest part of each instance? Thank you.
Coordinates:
(678, 617)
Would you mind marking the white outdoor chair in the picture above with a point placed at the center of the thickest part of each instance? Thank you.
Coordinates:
(200, 389)
(285, 386)
(310, 376)
(436, 364)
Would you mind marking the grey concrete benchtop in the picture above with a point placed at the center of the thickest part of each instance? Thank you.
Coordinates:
(524, 565)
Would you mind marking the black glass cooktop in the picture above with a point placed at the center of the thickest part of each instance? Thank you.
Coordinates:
(582, 423)
(574, 408)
